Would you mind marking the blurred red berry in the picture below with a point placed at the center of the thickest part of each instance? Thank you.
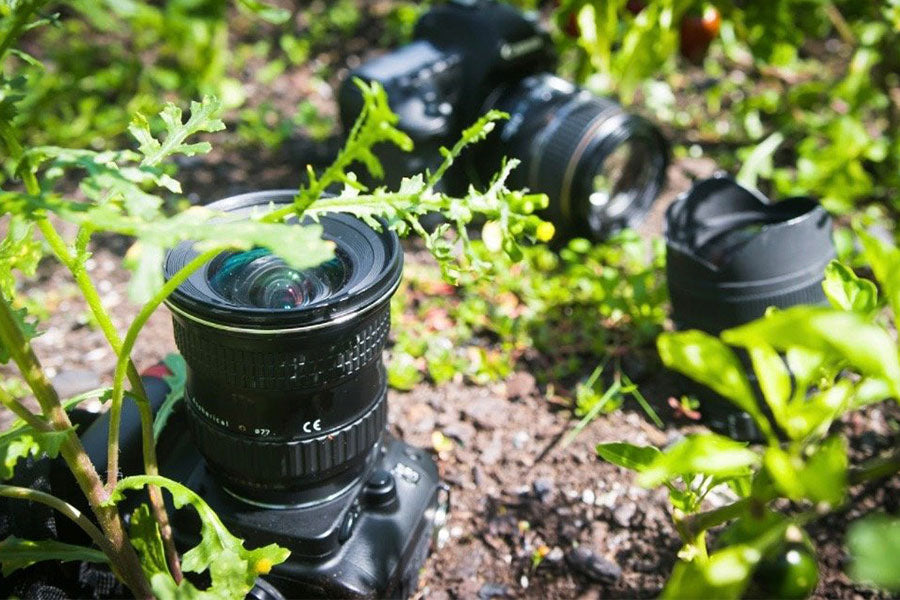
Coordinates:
(698, 32)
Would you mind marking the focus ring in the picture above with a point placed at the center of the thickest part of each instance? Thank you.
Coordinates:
(276, 462)
(272, 370)
(560, 147)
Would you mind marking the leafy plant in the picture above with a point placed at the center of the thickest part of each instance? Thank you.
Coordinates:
(120, 191)
(803, 358)
(555, 313)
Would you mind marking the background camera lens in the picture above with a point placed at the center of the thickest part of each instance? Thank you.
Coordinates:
(286, 391)
(601, 167)
(731, 254)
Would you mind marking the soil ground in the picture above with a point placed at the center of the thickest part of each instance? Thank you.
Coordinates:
(515, 486)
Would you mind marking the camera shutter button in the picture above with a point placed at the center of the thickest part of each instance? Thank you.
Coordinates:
(380, 488)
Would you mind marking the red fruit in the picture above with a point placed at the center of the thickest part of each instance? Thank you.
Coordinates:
(571, 27)
(698, 32)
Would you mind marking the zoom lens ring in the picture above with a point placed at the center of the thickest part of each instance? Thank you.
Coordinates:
(560, 147)
(269, 369)
(280, 463)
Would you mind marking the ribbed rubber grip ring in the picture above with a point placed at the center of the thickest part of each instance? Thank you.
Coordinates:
(280, 462)
(313, 365)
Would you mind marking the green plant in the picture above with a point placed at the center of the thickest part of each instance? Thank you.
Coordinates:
(813, 364)
(799, 95)
(554, 313)
(119, 191)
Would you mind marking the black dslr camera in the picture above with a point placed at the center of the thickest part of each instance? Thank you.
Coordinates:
(600, 166)
(282, 430)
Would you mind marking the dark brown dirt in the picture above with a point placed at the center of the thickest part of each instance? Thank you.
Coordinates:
(515, 487)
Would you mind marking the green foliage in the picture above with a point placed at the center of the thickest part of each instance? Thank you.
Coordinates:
(175, 382)
(874, 542)
(233, 569)
(21, 441)
(805, 90)
(556, 313)
(17, 553)
(801, 357)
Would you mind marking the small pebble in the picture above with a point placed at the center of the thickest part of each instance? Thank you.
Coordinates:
(493, 590)
(523, 581)
(624, 513)
(593, 566)
(588, 496)
(520, 439)
(555, 555)
(542, 488)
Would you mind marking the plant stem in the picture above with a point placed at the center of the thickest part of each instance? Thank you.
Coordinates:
(78, 517)
(23, 14)
(694, 524)
(75, 264)
(122, 554)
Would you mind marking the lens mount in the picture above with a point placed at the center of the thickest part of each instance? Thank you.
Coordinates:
(731, 253)
(286, 398)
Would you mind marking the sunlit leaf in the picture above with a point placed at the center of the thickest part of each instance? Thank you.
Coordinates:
(874, 544)
(708, 454)
(16, 553)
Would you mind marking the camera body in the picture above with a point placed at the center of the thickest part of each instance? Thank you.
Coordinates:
(600, 166)
(462, 53)
(369, 541)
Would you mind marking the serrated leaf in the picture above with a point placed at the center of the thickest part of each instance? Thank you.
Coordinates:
(202, 119)
(16, 553)
(26, 326)
(707, 454)
(874, 543)
(176, 382)
(233, 569)
(23, 441)
(636, 458)
(143, 531)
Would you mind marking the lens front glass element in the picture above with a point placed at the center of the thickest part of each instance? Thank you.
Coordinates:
(260, 279)
(623, 175)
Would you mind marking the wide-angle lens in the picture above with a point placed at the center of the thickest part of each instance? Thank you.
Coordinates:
(287, 392)
(259, 278)
(601, 167)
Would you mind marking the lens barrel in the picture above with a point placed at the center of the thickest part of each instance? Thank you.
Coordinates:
(286, 391)
(601, 167)
(731, 254)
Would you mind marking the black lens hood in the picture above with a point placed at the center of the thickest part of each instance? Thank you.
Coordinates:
(376, 260)
(731, 253)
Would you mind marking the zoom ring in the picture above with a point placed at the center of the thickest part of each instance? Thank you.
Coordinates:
(271, 370)
(280, 461)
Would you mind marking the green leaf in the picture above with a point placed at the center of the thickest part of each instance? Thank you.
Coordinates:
(146, 263)
(865, 346)
(707, 454)
(759, 162)
(233, 569)
(806, 416)
(874, 544)
(202, 119)
(266, 11)
(26, 326)
(847, 291)
(143, 531)
(18, 250)
(884, 259)
(636, 458)
(707, 360)
(23, 441)
(176, 382)
(723, 576)
(17, 553)
(821, 478)
(774, 379)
